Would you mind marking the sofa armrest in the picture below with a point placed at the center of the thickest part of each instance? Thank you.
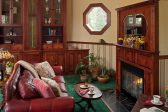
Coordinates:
(58, 70)
(58, 104)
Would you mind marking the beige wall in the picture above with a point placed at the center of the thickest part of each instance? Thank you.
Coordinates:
(79, 33)
(163, 44)
(76, 31)
(163, 27)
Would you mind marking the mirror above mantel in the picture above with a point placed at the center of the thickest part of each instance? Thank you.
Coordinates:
(96, 19)
(135, 24)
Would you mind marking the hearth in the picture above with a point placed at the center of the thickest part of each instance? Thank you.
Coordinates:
(132, 80)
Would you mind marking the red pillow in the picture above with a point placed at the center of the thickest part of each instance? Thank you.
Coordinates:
(43, 88)
(26, 89)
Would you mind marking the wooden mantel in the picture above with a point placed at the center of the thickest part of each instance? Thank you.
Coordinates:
(147, 59)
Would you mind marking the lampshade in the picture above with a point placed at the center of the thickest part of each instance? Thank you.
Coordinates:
(5, 54)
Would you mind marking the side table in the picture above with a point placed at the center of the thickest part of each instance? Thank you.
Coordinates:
(140, 104)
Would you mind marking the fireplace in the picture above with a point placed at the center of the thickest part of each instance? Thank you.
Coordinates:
(132, 80)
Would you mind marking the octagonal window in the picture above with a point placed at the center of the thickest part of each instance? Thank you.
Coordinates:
(96, 19)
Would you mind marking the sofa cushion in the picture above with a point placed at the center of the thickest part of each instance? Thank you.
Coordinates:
(54, 85)
(44, 69)
(59, 79)
(26, 89)
(43, 88)
(62, 87)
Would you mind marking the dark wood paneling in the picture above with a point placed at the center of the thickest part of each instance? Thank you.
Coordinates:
(145, 60)
(129, 55)
(73, 57)
(50, 57)
(17, 56)
(32, 57)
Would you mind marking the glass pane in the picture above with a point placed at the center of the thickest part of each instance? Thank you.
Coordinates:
(5, 11)
(32, 24)
(47, 11)
(96, 19)
(16, 11)
(58, 11)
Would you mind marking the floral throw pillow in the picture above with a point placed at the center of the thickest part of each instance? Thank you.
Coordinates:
(54, 86)
(44, 69)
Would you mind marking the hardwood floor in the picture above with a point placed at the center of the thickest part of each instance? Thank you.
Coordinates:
(118, 102)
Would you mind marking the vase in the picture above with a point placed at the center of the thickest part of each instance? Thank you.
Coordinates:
(8, 70)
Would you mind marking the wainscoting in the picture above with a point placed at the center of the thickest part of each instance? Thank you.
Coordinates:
(163, 73)
(107, 52)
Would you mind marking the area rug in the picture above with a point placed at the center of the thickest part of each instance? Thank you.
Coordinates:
(99, 105)
(1, 99)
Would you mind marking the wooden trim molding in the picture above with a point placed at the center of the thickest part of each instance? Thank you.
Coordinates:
(162, 57)
(96, 43)
(150, 2)
(85, 21)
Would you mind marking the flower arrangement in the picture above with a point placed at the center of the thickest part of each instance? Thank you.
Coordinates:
(9, 64)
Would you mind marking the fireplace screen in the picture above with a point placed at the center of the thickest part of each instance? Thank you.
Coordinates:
(132, 80)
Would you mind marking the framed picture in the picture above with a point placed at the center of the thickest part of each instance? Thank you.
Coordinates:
(130, 20)
(138, 21)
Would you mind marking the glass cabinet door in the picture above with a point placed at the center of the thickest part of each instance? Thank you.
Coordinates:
(16, 12)
(32, 20)
(5, 11)
(47, 12)
(58, 11)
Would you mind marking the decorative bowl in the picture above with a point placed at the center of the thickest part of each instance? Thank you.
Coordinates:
(49, 42)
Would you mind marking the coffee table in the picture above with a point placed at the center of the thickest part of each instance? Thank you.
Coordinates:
(87, 97)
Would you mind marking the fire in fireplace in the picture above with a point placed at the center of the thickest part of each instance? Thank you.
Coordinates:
(132, 80)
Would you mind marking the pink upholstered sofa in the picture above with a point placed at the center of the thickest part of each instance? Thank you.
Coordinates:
(14, 103)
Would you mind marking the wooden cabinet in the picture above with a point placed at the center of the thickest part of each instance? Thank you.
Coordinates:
(147, 59)
(68, 59)
(53, 24)
(11, 22)
(55, 58)
(26, 25)
(17, 56)
(32, 57)
(143, 16)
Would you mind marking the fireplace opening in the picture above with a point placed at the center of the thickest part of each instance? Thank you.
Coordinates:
(132, 80)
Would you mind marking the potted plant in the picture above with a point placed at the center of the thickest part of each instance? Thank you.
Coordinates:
(81, 69)
(94, 65)
(9, 66)
(104, 77)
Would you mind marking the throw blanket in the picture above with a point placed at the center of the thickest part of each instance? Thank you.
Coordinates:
(28, 66)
